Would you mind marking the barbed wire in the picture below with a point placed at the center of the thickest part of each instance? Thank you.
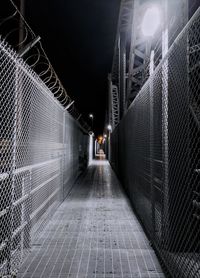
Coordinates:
(36, 57)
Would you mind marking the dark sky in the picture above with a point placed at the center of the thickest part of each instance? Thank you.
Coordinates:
(78, 36)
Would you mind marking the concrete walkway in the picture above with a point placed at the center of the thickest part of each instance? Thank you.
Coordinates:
(94, 233)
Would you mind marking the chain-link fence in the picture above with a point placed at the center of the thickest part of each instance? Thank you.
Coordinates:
(156, 152)
(42, 149)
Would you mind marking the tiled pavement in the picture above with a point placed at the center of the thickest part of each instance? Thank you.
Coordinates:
(93, 234)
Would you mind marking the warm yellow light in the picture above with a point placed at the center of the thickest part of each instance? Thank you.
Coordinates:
(100, 139)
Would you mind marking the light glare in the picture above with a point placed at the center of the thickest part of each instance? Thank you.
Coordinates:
(151, 21)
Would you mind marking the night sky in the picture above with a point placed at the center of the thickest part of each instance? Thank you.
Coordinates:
(79, 37)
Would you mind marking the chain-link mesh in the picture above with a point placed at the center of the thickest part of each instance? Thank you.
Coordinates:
(42, 149)
(156, 151)
(16, 31)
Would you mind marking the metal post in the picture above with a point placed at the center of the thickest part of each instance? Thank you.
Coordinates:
(109, 146)
(165, 213)
(151, 96)
(109, 98)
(151, 68)
(122, 74)
(95, 147)
(90, 148)
(63, 159)
(14, 148)
(21, 23)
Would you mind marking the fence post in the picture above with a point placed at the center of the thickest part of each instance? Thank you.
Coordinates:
(12, 173)
(63, 160)
(151, 99)
(165, 134)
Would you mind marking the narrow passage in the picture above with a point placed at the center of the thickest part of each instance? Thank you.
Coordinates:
(94, 233)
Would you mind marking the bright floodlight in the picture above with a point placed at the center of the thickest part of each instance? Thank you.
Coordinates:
(151, 21)
(91, 116)
(109, 127)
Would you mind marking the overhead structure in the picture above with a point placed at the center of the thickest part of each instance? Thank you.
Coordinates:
(130, 55)
(118, 75)
(143, 26)
(113, 104)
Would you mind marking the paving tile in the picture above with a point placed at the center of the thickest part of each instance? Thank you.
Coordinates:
(93, 234)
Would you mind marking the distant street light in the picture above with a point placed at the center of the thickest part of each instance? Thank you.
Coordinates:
(91, 116)
(151, 21)
(109, 127)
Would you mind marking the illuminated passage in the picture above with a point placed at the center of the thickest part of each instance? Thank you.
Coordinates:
(94, 233)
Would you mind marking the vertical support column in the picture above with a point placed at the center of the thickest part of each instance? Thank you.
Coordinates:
(22, 221)
(177, 13)
(165, 213)
(12, 173)
(62, 191)
(110, 118)
(90, 148)
(109, 146)
(178, 148)
(174, 114)
(21, 23)
(151, 96)
(27, 229)
(95, 148)
(147, 54)
(134, 23)
(122, 73)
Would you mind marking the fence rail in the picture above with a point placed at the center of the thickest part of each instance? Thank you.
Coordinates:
(42, 149)
(156, 152)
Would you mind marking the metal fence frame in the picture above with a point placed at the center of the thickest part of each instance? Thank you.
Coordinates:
(155, 152)
(42, 151)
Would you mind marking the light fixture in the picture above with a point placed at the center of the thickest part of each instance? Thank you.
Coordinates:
(91, 116)
(100, 140)
(151, 21)
(109, 127)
